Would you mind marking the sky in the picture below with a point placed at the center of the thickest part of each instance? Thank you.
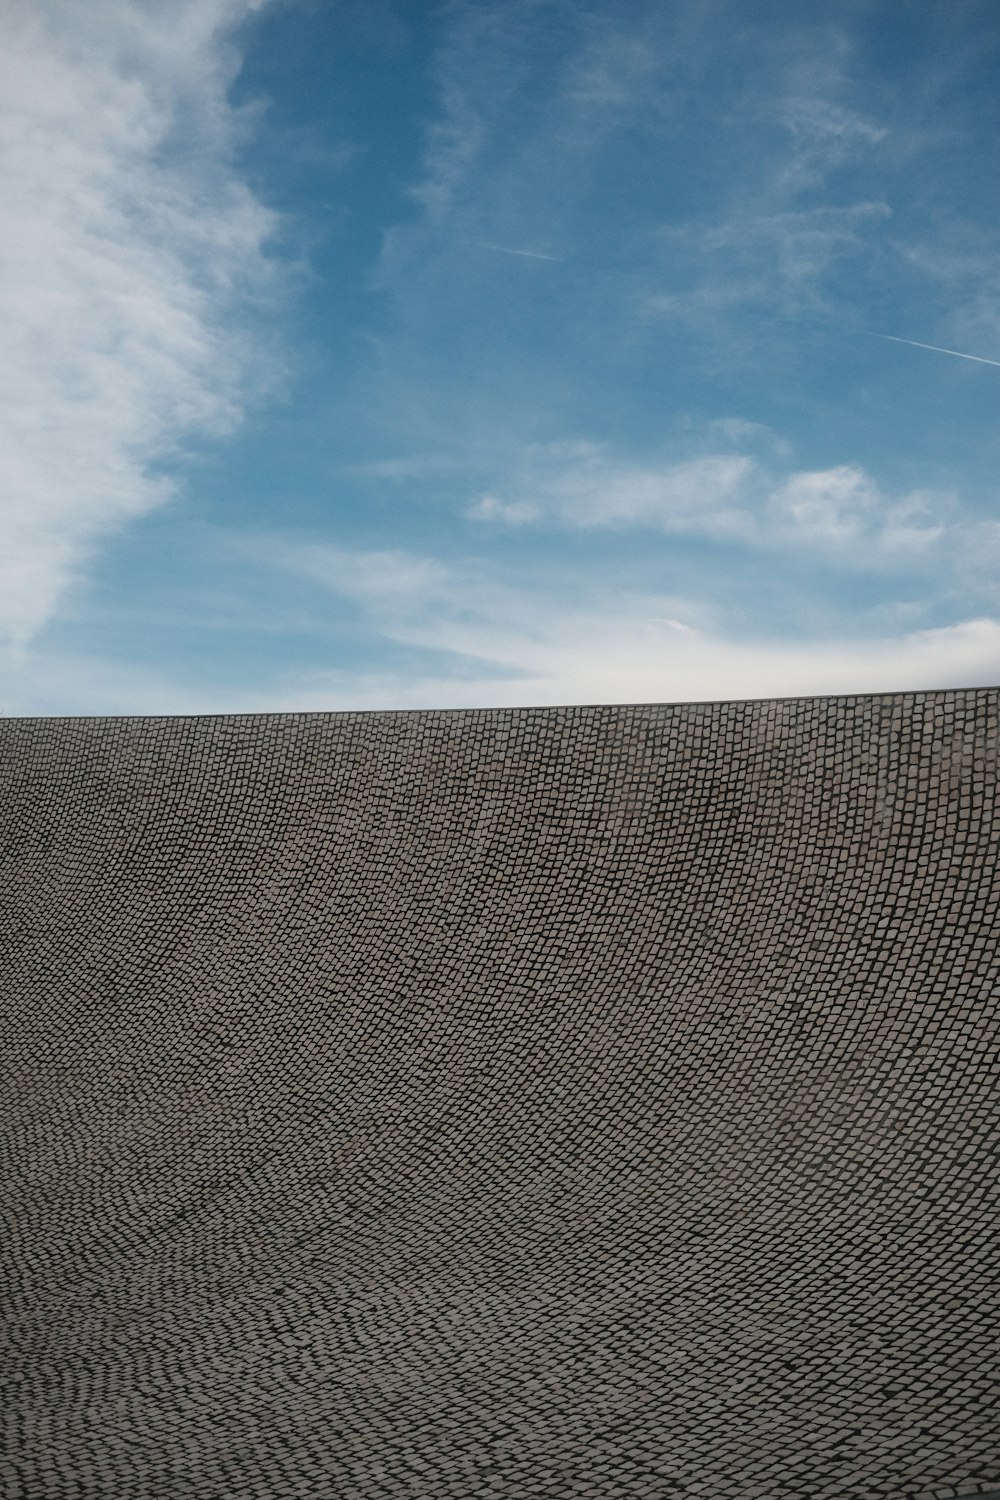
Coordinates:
(387, 354)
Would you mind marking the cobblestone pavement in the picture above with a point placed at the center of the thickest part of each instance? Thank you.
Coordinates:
(590, 1102)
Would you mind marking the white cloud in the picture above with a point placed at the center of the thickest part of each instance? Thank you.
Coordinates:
(390, 578)
(844, 513)
(609, 658)
(128, 249)
(829, 508)
(510, 645)
(739, 431)
(825, 134)
(501, 645)
(631, 658)
(581, 485)
(506, 512)
(840, 512)
(40, 682)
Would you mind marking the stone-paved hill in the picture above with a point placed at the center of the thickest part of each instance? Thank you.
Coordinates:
(566, 1102)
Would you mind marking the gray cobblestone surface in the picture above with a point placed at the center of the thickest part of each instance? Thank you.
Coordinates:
(558, 1103)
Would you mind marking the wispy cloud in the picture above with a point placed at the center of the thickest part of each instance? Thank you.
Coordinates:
(519, 647)
(776, 235)
(780, 259)
(130, 253)
(465, 632)
(824, 132)
(382, 579)
(528, 98)
(579, 484)
(955, 266)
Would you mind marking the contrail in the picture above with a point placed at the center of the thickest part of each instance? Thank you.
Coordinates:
(506, 250)
(976, 358)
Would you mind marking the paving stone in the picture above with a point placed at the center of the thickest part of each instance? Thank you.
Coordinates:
(588, 1101)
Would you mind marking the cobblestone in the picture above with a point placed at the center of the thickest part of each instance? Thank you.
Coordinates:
(589, 1101)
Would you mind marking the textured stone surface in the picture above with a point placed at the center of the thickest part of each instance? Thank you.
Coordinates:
(586, 1102)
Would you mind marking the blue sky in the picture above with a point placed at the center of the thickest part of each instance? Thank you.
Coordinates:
(375, 355)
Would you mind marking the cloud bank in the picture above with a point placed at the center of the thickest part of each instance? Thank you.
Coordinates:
(130, 257)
